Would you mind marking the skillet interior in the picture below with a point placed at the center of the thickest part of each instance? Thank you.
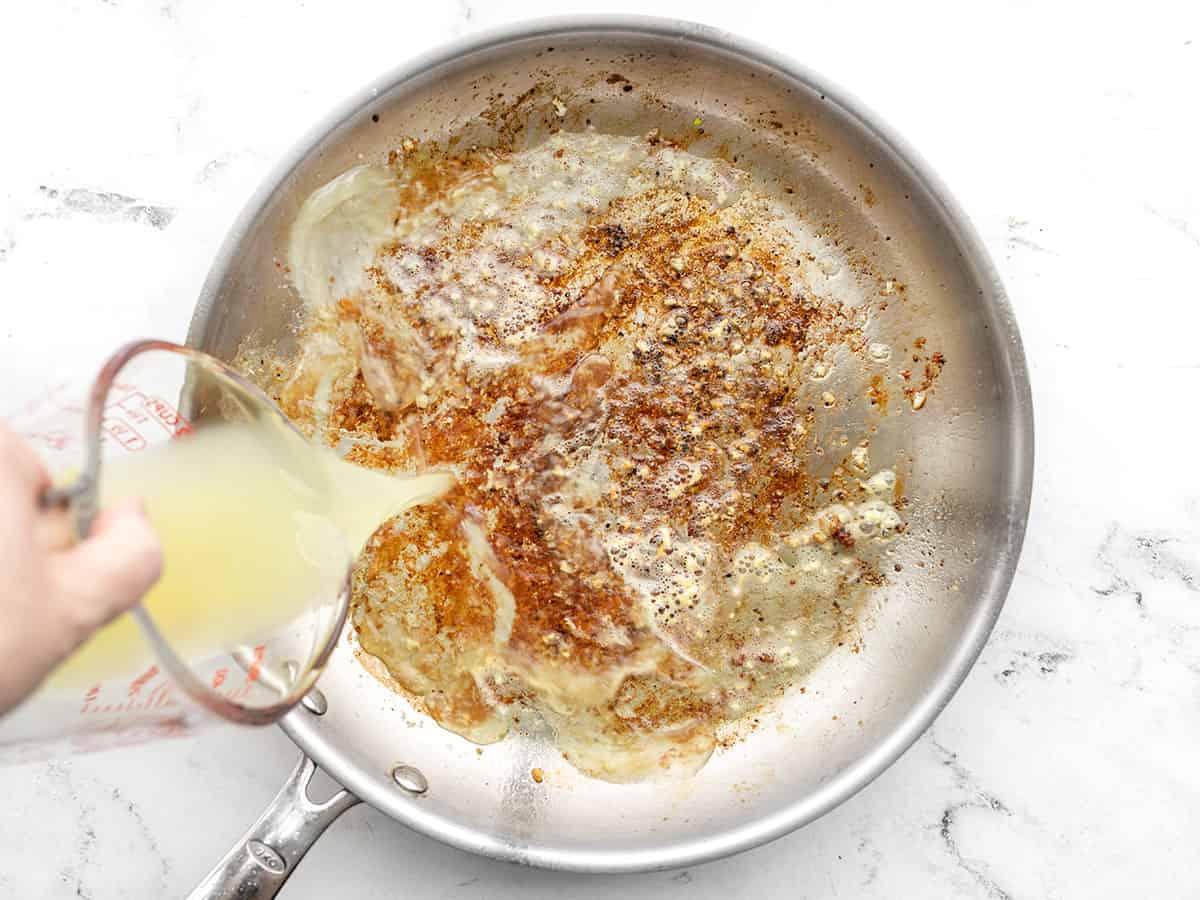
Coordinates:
(968, 453)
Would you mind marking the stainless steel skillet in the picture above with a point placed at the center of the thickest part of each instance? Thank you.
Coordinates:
(968, 453)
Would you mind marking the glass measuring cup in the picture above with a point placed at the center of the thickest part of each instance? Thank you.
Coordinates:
(180, 657)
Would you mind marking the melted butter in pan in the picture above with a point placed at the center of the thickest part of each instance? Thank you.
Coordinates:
(621, 350)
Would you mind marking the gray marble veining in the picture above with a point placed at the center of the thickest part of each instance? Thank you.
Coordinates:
(1065, 766)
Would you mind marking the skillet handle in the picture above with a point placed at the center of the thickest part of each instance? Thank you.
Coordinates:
(259, 864)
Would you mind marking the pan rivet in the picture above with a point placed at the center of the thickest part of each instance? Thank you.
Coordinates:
(314, 701)
(410, 779)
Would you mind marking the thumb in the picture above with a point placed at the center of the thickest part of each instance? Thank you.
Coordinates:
(107, 573)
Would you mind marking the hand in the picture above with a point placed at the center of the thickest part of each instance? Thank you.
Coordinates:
(54, 591)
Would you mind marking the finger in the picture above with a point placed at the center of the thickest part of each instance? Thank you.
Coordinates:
(54, 529)
(20, 465)
(107, 573)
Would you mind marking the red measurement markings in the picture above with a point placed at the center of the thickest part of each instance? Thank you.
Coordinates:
(55, 440)
(90, 697)
(47, 404)
(161, 697)
(141, 407)
(135, 686)
(256, 667)
(164, 694)
(123, 433)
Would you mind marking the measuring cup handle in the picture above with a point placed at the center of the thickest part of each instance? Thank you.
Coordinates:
(259, 864)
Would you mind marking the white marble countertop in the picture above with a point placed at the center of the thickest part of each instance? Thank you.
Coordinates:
(1066, 765)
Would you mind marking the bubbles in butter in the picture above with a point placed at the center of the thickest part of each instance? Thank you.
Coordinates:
(614, 344)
